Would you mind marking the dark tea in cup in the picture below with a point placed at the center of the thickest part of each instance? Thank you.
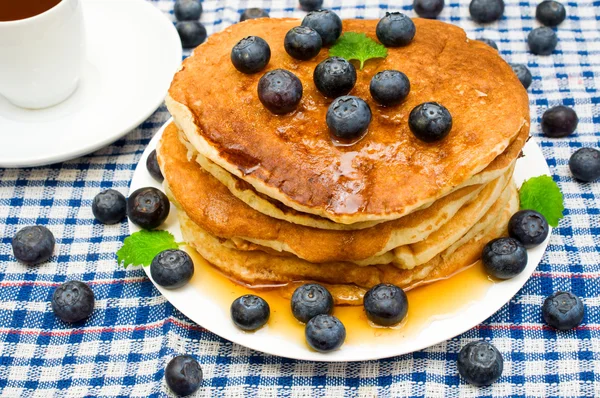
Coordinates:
(14, 10)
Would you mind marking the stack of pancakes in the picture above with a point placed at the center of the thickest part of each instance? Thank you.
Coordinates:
(273, 200)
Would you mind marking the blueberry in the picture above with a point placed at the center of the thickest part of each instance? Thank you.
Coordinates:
(489, 42)
(325, 333)
(385, 304)
(486, 11)
(504, 258)
(148, 207)
(183, 375)
(73, 301)
(250, 312)
(311, 300)
(172, 268)
(327, 24)
(348, 117)
(395, 30)
(523, 74)
(389, 87)
(480, 363)
(430, 121)
(550, 13)
(542, 41)
(251, 54)
(109, 207)
(563, 310)
(253, 13)
(33, 245)
(559, 121)
(302, 42)
(334, 77)
(191, 33)
(280, 91)
(585, 164)
(188, 10)
(311, 5)
(428, 8)
(528, 227)
(153, 167)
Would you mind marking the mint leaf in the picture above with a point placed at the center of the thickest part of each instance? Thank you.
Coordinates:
(543, 195)
(141, 247)
(353, 45)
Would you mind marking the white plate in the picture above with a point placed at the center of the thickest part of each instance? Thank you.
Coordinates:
(202, 308)
(133, 52)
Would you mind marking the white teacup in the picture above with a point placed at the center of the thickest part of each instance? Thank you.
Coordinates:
(41, 56)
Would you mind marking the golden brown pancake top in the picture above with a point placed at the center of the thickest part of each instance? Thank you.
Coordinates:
(390, 171)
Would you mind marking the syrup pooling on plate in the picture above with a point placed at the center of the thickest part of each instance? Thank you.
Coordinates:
(427, 303)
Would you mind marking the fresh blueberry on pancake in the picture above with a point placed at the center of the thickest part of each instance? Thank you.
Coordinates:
(563, 310)
(191, 33)
(480, 363)
(73, 301)
(334, 77)
(326, 23)
(389, 87)
(302, 42)
(109, 207)
(550, 13)
(188, 10)
(250, 312)
(523, 74)
(251, 54)
(430, 122)
(395, 30)
(504, 258)
(489, 42)
(325, 333)
(172, 268)
(311, 300)
(386, 304)
(311, 5)
(428, 8)
(486, 11)
(33, 245)
(559, 121)
(585, 164)
(529, 227)
(542, 41)
(183, 375)
(280, 91)
(348, 118)
(253, 13)
(153, 167)
(148, 207)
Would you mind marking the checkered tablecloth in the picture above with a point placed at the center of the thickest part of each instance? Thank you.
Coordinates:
(123, 349)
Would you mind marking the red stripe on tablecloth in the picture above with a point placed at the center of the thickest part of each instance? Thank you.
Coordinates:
(103, 329)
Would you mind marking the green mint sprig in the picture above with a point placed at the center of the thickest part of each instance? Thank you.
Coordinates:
(544, 196)
(358, 46)
(142, 246)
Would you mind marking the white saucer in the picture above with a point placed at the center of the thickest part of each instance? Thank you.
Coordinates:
(133, 52)
(207, 311)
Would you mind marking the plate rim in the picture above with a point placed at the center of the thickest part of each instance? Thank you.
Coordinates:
(259, 344)
(26, 162)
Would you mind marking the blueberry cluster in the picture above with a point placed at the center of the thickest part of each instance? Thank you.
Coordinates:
(191, 32)
(348, 117)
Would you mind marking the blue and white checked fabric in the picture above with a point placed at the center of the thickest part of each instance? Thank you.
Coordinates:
(123, 349)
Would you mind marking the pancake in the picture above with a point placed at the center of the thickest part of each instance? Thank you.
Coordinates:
(273, 208)
(388, 174)
(346, 281)
(212, 206)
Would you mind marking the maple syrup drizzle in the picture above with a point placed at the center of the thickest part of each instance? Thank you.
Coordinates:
(427, 303)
